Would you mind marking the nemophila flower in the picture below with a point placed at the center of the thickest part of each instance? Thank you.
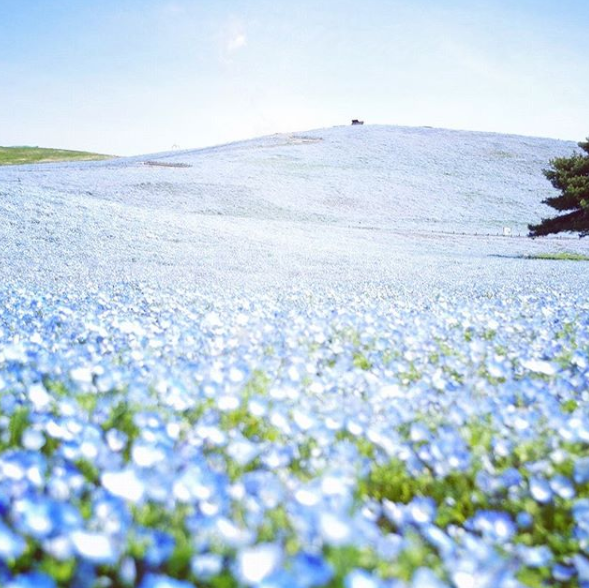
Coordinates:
(335, 529)
(12, 545)
(562, 573)
(207, 565)
(581, 475)
(124, 484)
(535, 557)
(96, 548)
(437, 538)
(540, 490)
(562, 487)
(116, 440)
(242, 451)
(310, 570)
(425, 578)
(581, 517)
(231, 534)
(540, 366)
(361, 579)
(39, 397)
(582, 567)
(147, 455)
(524, 520)
(495, 525)
(161, 581)
(254, 564)
(111, 514)
(160, 546)
(26, 466)
(421, 510)
(510, 478)
(32, 580)
(35, 517)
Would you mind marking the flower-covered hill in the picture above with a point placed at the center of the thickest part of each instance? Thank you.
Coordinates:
(341, 204)
(300, 361)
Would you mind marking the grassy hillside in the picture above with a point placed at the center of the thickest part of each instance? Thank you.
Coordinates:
(22, 155)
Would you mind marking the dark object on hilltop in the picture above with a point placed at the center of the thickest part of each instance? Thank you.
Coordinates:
(357, 122)
(570, 175)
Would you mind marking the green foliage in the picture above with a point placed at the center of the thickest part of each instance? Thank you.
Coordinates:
(173, 522)
(24, 155)
(257, 385)
(343, 559)
(361, 361)
(562, 256)
(569, 175)
(569, 406)
(19, 421)
(418, 554)
(87, 401)
(56, 388)
(121, 418)
(364, 446)
(457, 495)
(300, 464)
(277, 527)
(223, 580)
(61, 571)
(251, 426)
(88, 470)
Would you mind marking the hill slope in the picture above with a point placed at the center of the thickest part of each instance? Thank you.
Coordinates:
(372, 175)
(349, 203)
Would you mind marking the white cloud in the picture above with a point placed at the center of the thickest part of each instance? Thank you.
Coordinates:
(233, 39)
(237, 42)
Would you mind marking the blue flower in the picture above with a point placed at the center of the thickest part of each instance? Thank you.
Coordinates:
(161, 581)
(311, 570)
(11, 544)
(32, 580)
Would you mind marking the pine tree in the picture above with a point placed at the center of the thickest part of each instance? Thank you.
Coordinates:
(570, 175)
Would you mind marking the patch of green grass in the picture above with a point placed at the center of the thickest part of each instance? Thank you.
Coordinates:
(561, 256)
(361, 361)
(88, 470)
(173, 522)
(365, 447)
(24, 155)
(251, 426)
(121, 417)
(61, 571)
(19, 421)
(257, 385)
(87, 401)
(418, 554)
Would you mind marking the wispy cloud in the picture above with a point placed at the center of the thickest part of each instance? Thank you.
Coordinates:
(236, 43)
(233, 39)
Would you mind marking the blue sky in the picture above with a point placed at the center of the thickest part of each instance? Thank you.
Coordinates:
(137, 76)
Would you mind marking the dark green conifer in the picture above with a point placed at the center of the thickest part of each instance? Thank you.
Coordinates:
(570, 175)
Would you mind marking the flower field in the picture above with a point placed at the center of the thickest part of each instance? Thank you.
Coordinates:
(330, 437)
